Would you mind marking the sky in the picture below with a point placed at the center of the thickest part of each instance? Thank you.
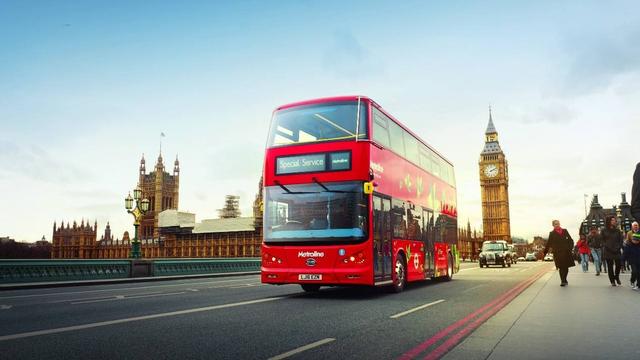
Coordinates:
(86, 87)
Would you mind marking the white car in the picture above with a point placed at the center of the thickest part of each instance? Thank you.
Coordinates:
(548, 257)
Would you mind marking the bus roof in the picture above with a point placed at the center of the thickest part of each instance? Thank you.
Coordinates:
(355, 98)
(323, 100)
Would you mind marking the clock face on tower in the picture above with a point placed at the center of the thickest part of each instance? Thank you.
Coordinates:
(491, 170)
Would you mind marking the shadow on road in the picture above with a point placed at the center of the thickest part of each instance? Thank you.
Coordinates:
(362, 292)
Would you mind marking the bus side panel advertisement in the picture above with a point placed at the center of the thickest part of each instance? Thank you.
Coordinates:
(399, 178)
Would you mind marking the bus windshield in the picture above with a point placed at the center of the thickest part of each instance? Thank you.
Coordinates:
(318, 122)
(329, 212)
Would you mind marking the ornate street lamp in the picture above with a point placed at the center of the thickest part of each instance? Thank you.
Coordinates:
(142, 206)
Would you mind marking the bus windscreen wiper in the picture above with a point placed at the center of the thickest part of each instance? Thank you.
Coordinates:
(326, 189)
(292, 192)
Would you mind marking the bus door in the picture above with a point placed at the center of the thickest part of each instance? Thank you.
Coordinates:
(428, 241)
(381, 239)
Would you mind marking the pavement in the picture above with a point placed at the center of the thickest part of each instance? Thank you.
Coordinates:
(588, 319)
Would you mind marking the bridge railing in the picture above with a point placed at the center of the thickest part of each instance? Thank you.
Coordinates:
(35, 270)
(166, 267)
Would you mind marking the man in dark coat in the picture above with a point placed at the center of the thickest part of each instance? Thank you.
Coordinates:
(632, 256)
(562, 244)
(635, 194)
(612, 248)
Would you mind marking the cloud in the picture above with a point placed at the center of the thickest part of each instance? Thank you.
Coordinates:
(347, 57)
(552, 113)
(36, 163)
(236, 160)
(597, 61)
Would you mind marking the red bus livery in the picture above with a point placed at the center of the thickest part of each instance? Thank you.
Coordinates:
(352, 197)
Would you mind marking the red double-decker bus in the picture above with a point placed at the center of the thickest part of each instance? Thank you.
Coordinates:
(352, 197)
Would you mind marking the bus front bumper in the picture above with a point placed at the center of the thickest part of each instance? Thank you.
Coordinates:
(316, 276)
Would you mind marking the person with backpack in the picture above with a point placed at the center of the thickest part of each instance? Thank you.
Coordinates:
(594, 241)
(612, 240)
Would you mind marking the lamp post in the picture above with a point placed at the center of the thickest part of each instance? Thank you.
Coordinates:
(142, 206)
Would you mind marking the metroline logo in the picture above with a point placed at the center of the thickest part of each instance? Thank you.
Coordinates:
(304, 254)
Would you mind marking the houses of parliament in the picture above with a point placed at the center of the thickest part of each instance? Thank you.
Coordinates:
(164, 231)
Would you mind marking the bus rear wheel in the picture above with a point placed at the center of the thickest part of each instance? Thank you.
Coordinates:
(400, 275)
(310, 288)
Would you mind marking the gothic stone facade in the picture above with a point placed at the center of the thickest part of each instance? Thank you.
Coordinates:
(73, 241)
(494, 185)
(469, 242)
(161, 188)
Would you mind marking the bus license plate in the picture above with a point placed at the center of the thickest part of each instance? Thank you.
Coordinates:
(310, 277)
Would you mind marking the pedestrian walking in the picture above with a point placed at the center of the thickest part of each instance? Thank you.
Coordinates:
(583, 250)
(595, 244)
(632, 256)
(612, 248)
(634, 229)
(561, 243)
(635, 194)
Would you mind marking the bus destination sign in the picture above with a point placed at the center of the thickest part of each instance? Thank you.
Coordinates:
(334, 161)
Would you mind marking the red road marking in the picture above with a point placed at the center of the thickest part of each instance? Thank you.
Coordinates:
(444, 332)
(457, 338)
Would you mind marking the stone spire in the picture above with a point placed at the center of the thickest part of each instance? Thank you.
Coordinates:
(142, 165)
(491, 129)
(491, 145)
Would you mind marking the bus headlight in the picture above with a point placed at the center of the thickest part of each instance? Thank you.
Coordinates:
(357, 258)
(270, 259)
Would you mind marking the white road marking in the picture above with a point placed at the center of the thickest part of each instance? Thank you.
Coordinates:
(5, 307)
(416, 309)
(137, 318)
(245, 286)
(119, 289)
(67, 300)
(302, 348)
(231, 286)
(122, 297)
(99, 298)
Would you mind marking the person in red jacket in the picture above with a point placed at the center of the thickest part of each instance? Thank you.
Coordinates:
(583, 250)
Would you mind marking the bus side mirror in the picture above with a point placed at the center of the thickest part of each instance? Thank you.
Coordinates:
(368, 188)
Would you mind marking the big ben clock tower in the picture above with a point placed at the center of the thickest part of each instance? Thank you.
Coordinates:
(494, 186)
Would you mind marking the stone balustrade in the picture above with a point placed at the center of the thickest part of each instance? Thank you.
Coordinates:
(23, 271)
